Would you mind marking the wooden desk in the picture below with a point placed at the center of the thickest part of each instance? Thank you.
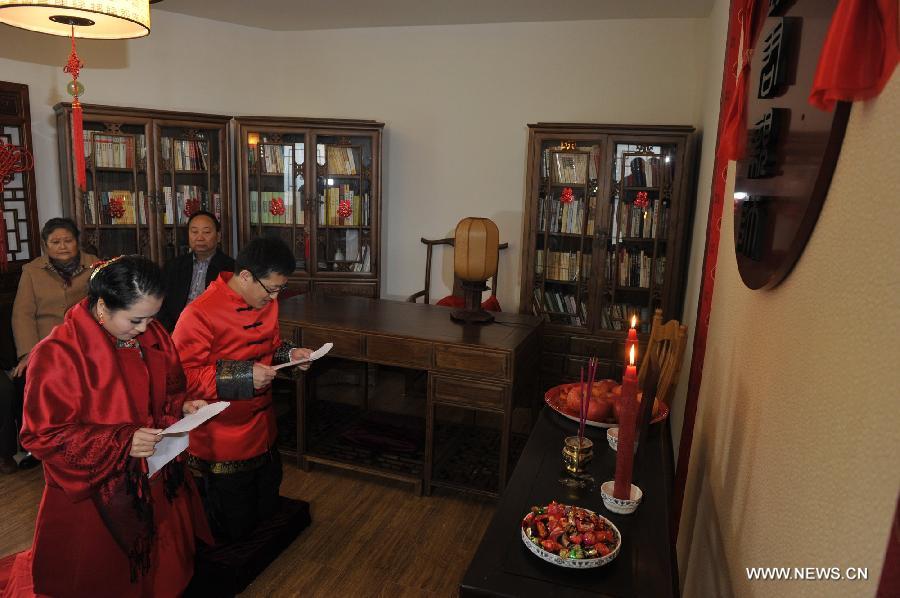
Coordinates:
(645, 566)
(481, 367)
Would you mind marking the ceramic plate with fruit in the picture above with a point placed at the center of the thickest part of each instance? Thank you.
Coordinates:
(603, 407)
(570, 536)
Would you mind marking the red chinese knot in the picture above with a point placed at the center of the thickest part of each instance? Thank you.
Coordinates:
(116, 207)
(567, 195)
(276, 206)
(345, 208)
(191, 206)
(641, 201)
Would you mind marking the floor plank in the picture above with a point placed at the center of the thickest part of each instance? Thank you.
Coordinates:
(369, 537)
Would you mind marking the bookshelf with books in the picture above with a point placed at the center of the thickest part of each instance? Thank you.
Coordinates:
(607, 212)
(316, 183)
(146, 172)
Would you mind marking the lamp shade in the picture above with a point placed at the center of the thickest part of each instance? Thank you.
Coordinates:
(93, 19)
(476, 249)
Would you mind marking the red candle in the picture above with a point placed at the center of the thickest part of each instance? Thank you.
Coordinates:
(632, 338)
(627, 429)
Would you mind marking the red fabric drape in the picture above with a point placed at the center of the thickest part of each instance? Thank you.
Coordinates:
(745, 24)
(859, 54)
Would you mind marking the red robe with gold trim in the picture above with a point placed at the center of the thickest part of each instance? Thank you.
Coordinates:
(84, 400)
(220, 325)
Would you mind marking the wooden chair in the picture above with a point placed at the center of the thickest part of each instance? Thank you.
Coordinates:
(666, 349)
(457, 287)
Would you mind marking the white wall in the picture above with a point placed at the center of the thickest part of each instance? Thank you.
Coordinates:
(455, 100)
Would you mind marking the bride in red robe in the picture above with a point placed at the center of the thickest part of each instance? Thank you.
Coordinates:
(101, 387)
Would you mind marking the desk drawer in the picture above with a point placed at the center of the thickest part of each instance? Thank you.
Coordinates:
(467, 393)
(346, 344)
(409, 353)
(473, 361)
(594, 347)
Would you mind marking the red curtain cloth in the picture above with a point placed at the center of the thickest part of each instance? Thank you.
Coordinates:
(745, 24)
(489, 304)
(859, 55)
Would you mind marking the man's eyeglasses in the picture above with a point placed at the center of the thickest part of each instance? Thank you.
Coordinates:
(270, 292)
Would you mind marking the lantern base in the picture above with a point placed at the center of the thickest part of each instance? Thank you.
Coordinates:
(472, 313)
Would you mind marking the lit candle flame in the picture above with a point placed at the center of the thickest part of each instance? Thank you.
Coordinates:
(633, 321)
(631, 357)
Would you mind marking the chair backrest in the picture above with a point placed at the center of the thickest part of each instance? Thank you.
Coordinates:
(666, 346)
(457, 286)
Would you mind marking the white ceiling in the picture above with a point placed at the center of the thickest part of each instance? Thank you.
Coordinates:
(300, 15)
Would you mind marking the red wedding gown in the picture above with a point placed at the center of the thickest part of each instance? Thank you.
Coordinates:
(83, 402)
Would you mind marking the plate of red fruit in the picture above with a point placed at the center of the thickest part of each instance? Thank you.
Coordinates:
(570, 536)
(603, 406)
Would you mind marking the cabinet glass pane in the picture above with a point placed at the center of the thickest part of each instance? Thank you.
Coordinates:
(115, 205)
(277, 189)
(635, 261)
(190, 169)
(344, 198)
(567, 217)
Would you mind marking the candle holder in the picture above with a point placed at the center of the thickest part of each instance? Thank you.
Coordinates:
(620, 505)
(577, 453)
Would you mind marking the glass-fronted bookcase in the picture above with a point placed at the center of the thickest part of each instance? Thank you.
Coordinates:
(606, 236)
(316, 184)
(146, 171)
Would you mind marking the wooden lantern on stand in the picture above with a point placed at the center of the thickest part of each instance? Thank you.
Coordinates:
(475, 255)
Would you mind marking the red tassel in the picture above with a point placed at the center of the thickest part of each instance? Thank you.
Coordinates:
(78, 145)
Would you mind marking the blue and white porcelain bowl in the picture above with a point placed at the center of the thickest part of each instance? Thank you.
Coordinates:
(559, 561)
(618, 505)
(612, 437)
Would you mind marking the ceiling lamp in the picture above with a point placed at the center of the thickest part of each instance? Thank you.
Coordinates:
(92, 19)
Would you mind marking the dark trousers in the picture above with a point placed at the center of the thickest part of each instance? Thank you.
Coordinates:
(236, 502)
(10, 415)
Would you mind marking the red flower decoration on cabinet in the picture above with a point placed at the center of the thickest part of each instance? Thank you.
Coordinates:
(190, 206)
(641, 201)
(567, 195)
(116, 207)
(276, 206)
(345, 208)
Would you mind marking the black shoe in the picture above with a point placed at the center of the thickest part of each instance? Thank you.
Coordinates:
(28, 462)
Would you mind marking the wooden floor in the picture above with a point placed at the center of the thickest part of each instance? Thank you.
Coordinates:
(369, 537)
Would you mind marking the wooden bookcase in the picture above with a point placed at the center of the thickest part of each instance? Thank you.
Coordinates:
(147, 171)
(591, 257)
(293, 176)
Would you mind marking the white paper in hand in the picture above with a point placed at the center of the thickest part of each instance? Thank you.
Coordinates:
(175, 438)
(317, 354)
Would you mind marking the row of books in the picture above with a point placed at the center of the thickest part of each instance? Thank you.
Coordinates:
(564, 305)
(617, 316)
(632, 267)
(187, 199)
(359, 207)
(275, 159)
(647, 172)
(186, 154)
(632, 221)
(114, 151)
(274, 207)
(341, 160)
(562, 265)
(559, 217)
(115, 207)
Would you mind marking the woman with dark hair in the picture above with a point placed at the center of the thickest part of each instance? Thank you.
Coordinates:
(100, 388)
(50, 285)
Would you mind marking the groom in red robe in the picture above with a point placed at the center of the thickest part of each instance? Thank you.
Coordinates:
(228, 339)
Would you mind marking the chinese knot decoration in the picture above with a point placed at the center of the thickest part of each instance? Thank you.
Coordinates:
(116, 207)
(276, 206)
(641, 200)
(13, 160)
(75, 89)
(345, 209)
(190, 206)
(567, 195)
